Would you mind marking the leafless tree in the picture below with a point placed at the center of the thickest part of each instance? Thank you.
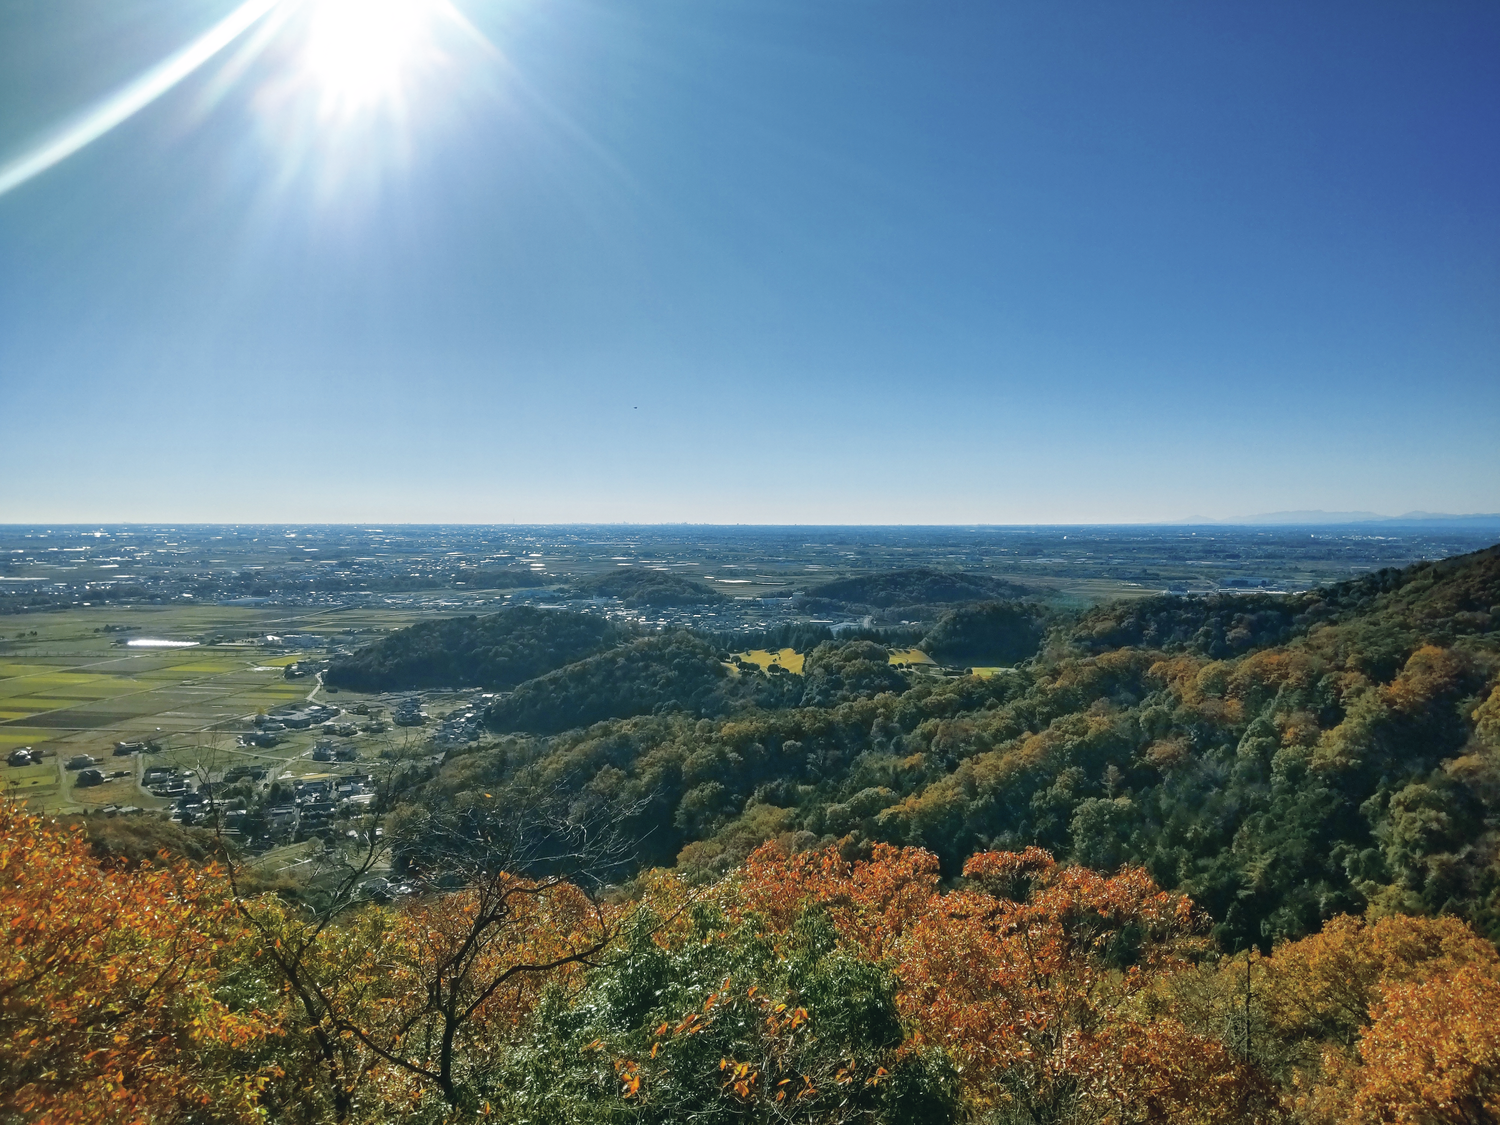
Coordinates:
(473, 875)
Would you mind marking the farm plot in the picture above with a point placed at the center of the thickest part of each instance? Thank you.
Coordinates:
(74, 689)
(910, 656)
(787, 658)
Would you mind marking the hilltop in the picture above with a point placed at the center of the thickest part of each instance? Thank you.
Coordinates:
(496, 651)
(912, 587)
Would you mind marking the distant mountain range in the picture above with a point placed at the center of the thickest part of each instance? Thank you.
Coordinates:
(1318, 518)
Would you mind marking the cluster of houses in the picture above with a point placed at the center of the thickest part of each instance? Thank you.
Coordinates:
(190, 802)
(327, 750)
(382, 889)
(293, 640)
(409, 713)
(145, 746)
(85, 766)
(314, 801)
(166, 781)
(268, 728)
(119, 810)
(461, 726)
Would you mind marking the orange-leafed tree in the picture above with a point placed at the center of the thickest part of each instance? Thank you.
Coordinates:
(1029, 977)
(1324, 986)
(871, 903)
(125, 995)
(1399, 1017)
(1431, 1055)
(467, 968)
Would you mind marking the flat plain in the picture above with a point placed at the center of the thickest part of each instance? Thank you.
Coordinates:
(69, 688)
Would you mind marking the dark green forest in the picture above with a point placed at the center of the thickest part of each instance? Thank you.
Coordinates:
(671, 674)
(496, 651)
(914, 586)
(988, 633)
(912, 594)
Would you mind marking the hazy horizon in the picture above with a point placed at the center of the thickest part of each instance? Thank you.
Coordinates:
(1268, 520)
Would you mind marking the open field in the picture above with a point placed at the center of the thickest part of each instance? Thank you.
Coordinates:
(73, 689)
(910, 656)
(790, 659)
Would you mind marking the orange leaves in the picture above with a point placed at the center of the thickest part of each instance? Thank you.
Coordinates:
(871, 903)
(740, 1077)
(1487, 719)
(1324, 985)
(1432, 1053)
(690, 1025)
(110, 984)
(1019, 977)
(1054, 992)
(1009, 875)
(630, 1077)
(1416, 1000)
(1430, 673)
(1159, 1070)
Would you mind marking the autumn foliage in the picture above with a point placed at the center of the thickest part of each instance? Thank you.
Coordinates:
(117, 987)
(811, 986)
(1026, 977)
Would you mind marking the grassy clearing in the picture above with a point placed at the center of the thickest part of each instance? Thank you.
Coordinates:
(14, 736)
(28, 782)
(910, 656)
(787, 658)
(987, 671)
(281, 661)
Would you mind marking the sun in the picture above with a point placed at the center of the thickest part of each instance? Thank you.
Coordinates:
(359, 52)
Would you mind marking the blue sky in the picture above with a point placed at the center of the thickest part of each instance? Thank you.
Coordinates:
(756, 261)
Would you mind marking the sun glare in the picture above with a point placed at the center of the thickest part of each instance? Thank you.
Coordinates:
(358, 51)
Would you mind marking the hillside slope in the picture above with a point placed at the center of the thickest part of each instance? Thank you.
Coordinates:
(1355, 762)
(915, 586)
(676, 672)
(496, 651)
(988, 633)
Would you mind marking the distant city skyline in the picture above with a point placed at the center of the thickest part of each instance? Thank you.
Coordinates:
(404, 261)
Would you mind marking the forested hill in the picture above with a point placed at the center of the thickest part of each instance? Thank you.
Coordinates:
(1282, 760)
(1437, 601)
(497, 651)
(1339, 780)
(675, 672)
(989, 633)
(915, 586)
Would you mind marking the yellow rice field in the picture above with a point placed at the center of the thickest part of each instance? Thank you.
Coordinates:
(788, 658)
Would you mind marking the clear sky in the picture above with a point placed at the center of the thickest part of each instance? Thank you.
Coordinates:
(753, 261)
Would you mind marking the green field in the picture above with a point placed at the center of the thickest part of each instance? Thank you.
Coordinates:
(73, 689)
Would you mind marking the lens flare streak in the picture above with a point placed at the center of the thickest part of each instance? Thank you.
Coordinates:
(134, 97)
